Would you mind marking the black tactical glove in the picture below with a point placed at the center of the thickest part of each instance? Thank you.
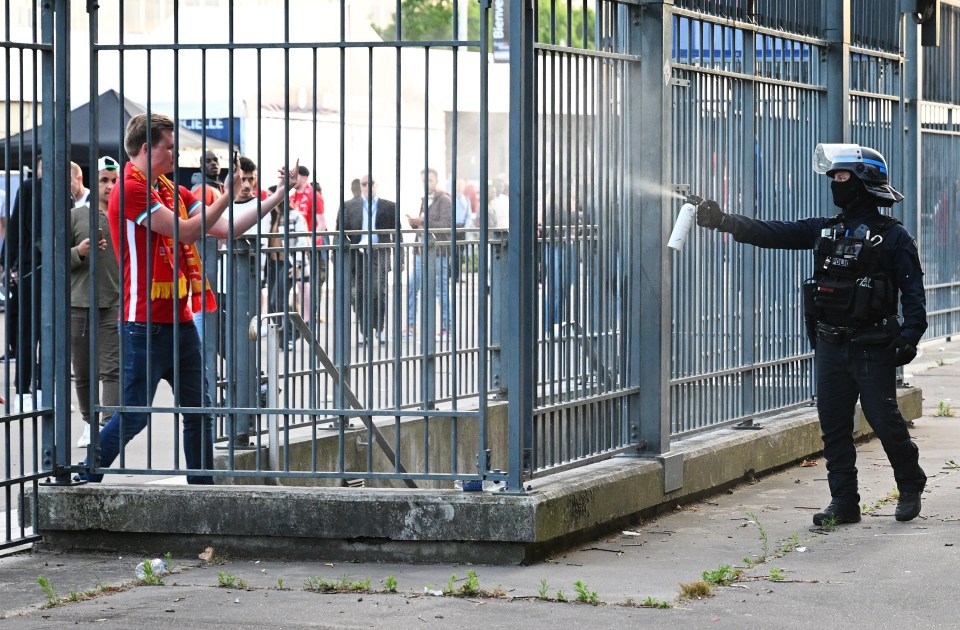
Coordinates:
(903, 351)
(709, 214)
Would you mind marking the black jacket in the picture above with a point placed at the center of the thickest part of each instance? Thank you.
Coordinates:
(899, 256)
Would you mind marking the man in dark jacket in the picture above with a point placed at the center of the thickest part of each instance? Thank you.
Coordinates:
(370, 222)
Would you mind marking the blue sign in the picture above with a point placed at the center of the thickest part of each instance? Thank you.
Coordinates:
(218, 128)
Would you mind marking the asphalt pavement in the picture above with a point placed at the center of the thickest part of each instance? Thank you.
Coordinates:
(787, 573)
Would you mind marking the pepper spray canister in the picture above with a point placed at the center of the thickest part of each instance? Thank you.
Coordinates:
(685, 220)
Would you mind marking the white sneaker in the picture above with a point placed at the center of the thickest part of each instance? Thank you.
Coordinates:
(26, 406)
(84, 440)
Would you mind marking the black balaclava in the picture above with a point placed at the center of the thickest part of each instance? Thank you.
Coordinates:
(852, 197)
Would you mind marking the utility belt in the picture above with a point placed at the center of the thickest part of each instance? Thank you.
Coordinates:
(882, 332)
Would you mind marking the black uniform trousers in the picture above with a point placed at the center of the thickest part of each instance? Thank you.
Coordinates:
(846, 371)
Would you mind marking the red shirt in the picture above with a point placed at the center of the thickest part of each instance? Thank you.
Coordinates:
(139, 247)
(310, 204)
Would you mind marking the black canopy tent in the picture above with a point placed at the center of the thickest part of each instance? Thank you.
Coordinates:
(114, 114)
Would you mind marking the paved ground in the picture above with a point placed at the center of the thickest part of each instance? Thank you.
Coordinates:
(879, 573)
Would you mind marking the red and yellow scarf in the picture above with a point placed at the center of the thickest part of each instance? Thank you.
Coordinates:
(190, 280)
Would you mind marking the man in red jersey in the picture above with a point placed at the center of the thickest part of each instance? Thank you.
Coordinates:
(163, 285)
(308, 200)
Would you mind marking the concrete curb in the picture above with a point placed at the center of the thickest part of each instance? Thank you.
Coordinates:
(424, 525)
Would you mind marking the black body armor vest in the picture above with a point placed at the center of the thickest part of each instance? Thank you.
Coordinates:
(849, 286)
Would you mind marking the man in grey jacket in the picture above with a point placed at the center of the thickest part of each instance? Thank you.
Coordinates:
(107, 300)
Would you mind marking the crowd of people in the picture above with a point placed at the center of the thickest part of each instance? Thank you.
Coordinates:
(138, 279)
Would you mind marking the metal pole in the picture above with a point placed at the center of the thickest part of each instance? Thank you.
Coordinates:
(55, 314)
(521, 249)
(650, 275)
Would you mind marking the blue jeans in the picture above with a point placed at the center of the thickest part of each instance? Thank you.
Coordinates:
(441, 267)
(139, 388)
(558, 260)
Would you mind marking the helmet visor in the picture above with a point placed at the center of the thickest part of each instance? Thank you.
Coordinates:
(826, 155)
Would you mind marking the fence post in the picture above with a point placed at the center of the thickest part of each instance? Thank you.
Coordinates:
(246, 378)
(54, 332)
(521, 252)
(913, 139)
(836, 99)
(649, 267)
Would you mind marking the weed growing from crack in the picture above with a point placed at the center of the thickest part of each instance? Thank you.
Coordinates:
(560, 596)
(792, 543)
(149, 577)
(48, 591)
(543, 589)
(228, 580)
(652, 602)
(944, 410)
(764, 540)
(777, 575)
(584, 594)
(695, 590)
(724, 575)
(390, 584)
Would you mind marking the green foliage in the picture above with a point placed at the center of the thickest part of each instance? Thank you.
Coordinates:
(560, 596)
(321, 585)
(226, 579)
(764, 541)
(792, 543)
(724, 575)
(776, 575)
(944, 410)
(432, 20)
(422, 20)
(48, 590)
(951, 464)
(149, 577)
(343, 585)
(390, 584)
(280, 583)
(543, 589)
(584, 594)
(829, 524)
(652, 602)
(470, 588)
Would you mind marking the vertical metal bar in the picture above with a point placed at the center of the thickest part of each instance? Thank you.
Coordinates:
(521, 248)
(912, 156)
(748, 338)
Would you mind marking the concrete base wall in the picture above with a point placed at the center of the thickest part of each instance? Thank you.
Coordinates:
(429, 525)
(326, 448)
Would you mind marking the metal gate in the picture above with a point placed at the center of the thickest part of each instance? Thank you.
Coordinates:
(34, 286)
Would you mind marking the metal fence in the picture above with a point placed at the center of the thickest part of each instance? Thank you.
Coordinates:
(939, 219)
(555, 295)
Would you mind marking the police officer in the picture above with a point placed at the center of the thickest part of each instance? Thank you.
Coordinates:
(863, 260)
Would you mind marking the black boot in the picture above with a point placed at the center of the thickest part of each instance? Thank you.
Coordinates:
(838, 511)
(908, 506)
